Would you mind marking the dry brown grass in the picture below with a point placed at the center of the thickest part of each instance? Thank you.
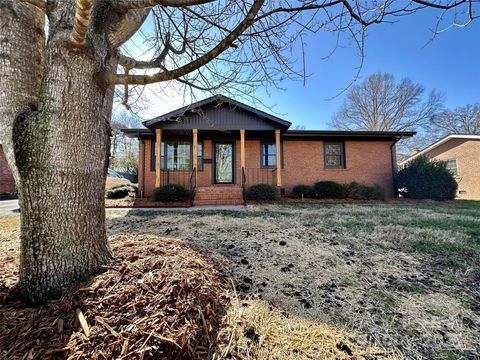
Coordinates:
(9, 236)
(256, 330)
(400, 278)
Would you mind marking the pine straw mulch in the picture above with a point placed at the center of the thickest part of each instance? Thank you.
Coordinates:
(255, 330)
(161, 300)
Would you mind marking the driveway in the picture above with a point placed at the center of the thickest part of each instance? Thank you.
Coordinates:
(9, 207)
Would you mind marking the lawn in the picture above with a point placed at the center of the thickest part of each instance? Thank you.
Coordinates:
(401, 277)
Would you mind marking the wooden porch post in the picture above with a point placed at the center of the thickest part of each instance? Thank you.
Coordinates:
(242, 153)
(278, 157)
(195, 152)
(158, 170)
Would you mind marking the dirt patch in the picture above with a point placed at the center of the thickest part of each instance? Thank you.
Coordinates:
(356, 267)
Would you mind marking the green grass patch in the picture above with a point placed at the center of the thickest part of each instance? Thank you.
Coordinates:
(460, 255)
(411, 287)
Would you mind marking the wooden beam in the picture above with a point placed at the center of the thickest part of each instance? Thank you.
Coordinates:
(195, 152)
(242, 152)
(278, 157)
(158, 170)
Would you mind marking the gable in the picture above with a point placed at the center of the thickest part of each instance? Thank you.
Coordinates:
(220, 117)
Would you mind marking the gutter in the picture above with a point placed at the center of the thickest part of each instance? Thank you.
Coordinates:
(392, 159)
(143, 164)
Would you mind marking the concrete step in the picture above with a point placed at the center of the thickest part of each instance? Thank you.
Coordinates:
(218, 196)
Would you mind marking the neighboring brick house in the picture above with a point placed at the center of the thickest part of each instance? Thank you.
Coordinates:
(236, 147)
(462, 156)
(7, 183)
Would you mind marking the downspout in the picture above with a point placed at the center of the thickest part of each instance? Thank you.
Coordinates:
(392, 160)
(143, 165)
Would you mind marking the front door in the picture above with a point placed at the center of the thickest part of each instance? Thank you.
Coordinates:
(224, 160)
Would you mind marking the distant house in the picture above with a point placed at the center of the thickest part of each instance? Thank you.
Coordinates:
(221, 146)
(461, 154)
(7, 183)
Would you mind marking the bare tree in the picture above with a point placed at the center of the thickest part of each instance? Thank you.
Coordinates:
(379, 103)
(462, 120)
(56, 94)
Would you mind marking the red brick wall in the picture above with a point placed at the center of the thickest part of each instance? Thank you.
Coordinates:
(7, 183)
(367, 162)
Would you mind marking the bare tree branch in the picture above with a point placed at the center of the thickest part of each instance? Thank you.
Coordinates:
(140, 4)
(179, 72)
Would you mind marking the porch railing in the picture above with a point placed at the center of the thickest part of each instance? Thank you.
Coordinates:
(244, 186)
(193, 184)
(176, 177)
(255, 176)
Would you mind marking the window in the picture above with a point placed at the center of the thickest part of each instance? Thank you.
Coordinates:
(200, 156)
(334, 155)
(451, 166)
(177, 155)
(268, 155)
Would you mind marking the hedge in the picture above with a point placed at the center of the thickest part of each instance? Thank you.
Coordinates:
(329, 190)
(262, 192)
(170, 193)
(423, 178)
(306, 191)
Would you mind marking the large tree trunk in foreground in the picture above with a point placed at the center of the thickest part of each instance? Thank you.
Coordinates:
(61, 152)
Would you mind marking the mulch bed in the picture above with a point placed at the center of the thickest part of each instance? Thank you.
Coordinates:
(160, 300)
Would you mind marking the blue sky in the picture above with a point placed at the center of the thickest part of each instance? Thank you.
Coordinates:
(450, 64)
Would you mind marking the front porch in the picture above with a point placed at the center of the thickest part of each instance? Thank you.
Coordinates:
(226, 164)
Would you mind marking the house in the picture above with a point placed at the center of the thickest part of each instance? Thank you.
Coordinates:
(7, 183)
(462, 156)
(221, 147)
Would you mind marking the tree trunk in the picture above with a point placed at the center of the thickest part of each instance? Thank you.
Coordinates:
(21, 63)
(61, 151)
(54, 125)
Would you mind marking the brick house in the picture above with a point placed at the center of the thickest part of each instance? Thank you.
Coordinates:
(7, 183)
(237, 146)
(462, 156)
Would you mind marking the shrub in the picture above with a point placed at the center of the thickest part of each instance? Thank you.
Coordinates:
(358, 191)
(329, 190)
(306, 190)
(262, 192)
(132, 186)
(423, 178)
(118, 192)
(170, 193)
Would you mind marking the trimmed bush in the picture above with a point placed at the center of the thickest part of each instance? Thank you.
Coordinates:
(132, 186)
(170, 193)
(118, 192)
(329, 190)
(262, 192)
(423, 178)
(306, 190)
(358, 191)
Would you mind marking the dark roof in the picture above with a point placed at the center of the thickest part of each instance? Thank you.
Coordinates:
(347, 134)
(304, 134)
(217, 99)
